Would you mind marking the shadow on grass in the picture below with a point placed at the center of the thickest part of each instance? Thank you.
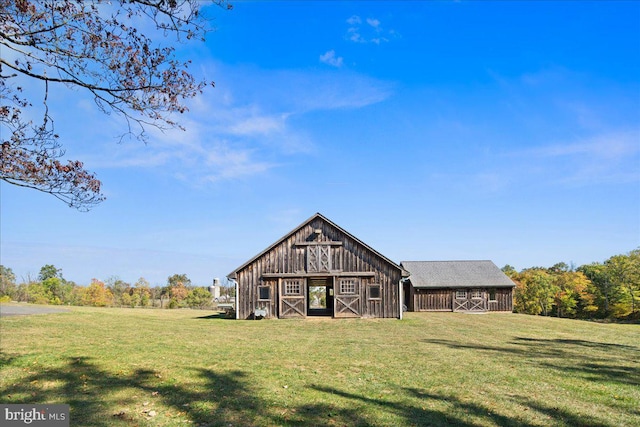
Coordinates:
(90, 391)
(460, 413)
(220, 315)
(561, 416)
(208, 398)
(218, 399)
(595, 361)
(7, 359)
(583, 343)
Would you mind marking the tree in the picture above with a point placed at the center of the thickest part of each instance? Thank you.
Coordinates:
(633, 284)
(571, 293)
(142, 291)
(97, 294)
(624, 273)
(7, 282)
(617, 284)
(559, 288)
(51, 287)
(534, 292)
(606, 293)
(22, 292)
(110, 51)
(509, 271)
(178, 293)
(178, 279)
(163, 294)
(560, 267)
(198, 298)
(36, 293)
(53, 290)
(49, 271)
(120, 291)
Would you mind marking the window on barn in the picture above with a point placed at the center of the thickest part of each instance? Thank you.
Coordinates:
(318, 258)
(476, 294)
(264, 292)
(492, 295)
(293, 287)
(461, 294)
(348, 286)
(375, 292)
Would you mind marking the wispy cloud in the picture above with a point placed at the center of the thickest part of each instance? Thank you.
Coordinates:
(614, 146)
(225, 163)
(259, 125)
(237, 131)
(296, 92)
(354, 20)
(610, 157)
(578, 129)
(330, 58)
(373, 23)
(368, 31)
(600, 159)
(486, 182)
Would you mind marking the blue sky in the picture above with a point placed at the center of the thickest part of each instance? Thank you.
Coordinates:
(507, 131)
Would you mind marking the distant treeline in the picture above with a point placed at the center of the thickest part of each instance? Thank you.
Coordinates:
(51, 288)
(609, 290)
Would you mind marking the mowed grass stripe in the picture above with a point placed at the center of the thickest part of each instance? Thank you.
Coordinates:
(121, 367)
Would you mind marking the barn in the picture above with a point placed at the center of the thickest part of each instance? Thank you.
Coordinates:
(318, 269)
(468, 286)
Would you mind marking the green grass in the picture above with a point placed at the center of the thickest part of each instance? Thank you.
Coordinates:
(125, 367)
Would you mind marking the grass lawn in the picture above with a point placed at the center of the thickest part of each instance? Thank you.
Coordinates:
(125, 367)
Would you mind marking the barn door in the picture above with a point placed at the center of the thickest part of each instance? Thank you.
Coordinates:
(293, 298)
(320, 296)
(470, 300)
(347, 298)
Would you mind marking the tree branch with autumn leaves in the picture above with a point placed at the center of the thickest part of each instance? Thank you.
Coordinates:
(110, 50)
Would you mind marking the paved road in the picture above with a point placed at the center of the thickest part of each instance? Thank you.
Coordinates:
(17, 310)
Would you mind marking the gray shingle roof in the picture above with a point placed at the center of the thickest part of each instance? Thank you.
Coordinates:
(456, 274)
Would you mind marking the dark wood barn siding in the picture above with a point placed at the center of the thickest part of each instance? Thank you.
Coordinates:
(269, 305)
(504, 300)
(442, 300)
(289, 260)
(432, 300)
(372, 307)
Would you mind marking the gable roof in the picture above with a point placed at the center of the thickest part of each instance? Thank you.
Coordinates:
(331, 223)
(456, 274)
